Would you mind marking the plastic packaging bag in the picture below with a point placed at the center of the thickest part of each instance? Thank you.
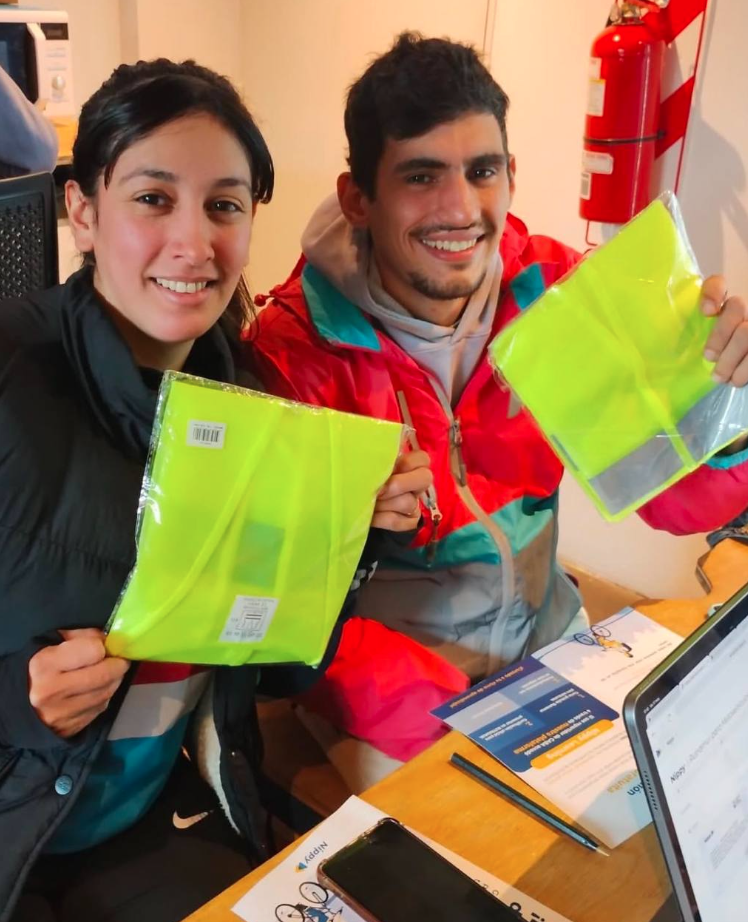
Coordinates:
(609, 361)
(254, 513)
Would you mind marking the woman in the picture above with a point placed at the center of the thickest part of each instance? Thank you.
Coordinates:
(100, 815)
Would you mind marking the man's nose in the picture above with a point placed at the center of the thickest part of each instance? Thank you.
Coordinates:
(458, 201)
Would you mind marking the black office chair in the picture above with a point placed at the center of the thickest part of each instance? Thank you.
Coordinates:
(28, 234)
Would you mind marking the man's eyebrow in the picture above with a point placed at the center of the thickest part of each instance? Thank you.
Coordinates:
(431, 163)
(420, 163)
(488, 160)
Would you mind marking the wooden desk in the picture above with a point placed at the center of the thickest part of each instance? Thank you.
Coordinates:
(442, 803)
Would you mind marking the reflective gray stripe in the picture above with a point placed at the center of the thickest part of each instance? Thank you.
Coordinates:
(712, 423)
(638, 474)
(715, 421)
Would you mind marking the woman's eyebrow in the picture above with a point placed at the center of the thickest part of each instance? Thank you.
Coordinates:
(163, 175)
(230, 181)
(225, 182)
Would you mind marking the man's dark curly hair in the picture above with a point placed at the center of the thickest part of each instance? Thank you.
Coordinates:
(416, 85)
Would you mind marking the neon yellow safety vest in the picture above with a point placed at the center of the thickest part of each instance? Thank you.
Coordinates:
(254, 514)
(610, 363)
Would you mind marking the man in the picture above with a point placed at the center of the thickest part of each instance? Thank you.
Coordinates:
(410, 272)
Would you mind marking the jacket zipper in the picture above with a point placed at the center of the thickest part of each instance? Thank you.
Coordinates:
(459, 472)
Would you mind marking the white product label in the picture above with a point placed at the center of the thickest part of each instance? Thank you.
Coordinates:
(586, 189)
(595, 66)
(597, 162)
(250, 618)
(204, 434)
(596, 97)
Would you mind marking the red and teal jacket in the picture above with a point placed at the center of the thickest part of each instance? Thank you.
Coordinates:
(495, 475)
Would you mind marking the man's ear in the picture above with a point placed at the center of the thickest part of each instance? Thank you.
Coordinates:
(353, 202)
(512, 167)
(81, 215)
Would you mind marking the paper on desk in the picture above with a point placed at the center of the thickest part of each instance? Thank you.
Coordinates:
(555, 720)
(290, 892)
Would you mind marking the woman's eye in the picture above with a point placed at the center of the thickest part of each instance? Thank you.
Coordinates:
(151, 198)
(226, 207)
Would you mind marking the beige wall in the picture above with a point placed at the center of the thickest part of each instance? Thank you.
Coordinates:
(206, 30)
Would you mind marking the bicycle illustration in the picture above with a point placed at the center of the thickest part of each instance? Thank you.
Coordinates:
(599, 636)
(317, 897)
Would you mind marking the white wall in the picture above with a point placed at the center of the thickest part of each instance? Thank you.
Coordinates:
(299, 58)
(545, 129)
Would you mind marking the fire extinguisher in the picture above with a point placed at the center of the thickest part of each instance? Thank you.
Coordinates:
(623, 106)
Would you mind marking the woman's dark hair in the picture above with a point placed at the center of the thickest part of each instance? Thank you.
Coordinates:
(416, 85)
(139, 98)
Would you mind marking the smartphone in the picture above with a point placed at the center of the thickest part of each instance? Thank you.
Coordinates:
(390, 875)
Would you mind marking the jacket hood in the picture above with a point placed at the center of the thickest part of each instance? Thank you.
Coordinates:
(339, 251)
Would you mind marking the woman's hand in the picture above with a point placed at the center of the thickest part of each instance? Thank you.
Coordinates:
(398, 506)
(72, 683)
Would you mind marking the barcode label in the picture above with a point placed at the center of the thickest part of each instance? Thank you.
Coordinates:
(205, 435)
(249, 619)
(586, 184)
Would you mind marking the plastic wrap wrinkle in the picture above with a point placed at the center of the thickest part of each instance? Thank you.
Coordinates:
(609, 361)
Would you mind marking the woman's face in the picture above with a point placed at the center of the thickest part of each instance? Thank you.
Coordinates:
(170, 235)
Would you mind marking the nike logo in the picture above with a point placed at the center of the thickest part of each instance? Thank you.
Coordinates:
(184, 822)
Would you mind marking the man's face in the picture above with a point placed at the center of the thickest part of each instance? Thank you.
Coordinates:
(438, 214)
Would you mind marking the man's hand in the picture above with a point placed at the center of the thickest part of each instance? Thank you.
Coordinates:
(727, 345)
(398, 507)
(72, 683)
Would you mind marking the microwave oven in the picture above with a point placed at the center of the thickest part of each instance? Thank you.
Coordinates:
(35, 51)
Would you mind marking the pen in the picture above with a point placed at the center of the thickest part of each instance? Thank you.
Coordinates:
(429, 498)
(520, 800)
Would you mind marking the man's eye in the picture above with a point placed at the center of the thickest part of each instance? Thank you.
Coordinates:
(485, 172)
(419, 179)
